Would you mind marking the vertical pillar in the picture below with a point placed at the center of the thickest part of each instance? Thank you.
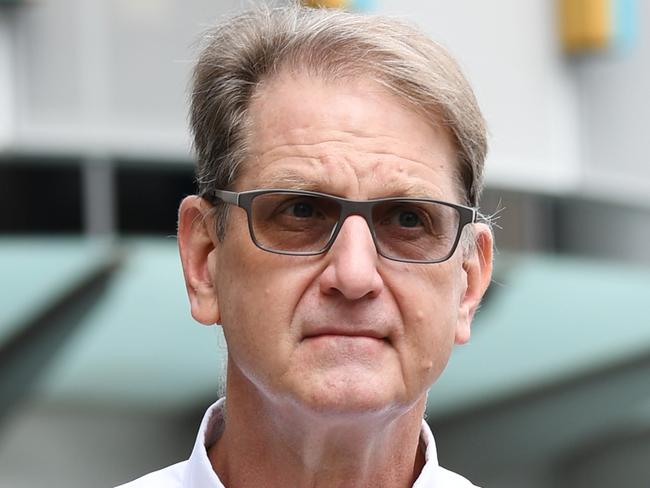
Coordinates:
(98, 201)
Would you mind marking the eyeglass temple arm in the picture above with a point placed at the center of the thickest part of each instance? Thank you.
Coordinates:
(227, 196)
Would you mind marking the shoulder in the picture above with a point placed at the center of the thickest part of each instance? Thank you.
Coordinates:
(170, 477)
(449, 479)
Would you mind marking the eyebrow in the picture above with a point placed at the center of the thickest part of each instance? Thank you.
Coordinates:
(292, 180)
(413, 190)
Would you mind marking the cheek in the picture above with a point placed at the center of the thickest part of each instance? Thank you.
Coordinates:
(429, 305)
(253, 304)
(255, 325)
(258, 294)
(430, 341)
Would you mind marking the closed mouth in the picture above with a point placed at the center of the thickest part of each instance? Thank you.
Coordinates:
(352, 334)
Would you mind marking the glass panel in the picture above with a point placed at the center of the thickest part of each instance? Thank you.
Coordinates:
(293, 222)
(415, 230)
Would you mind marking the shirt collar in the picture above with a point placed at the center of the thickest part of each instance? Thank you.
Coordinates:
(427, 476)
(199, 472)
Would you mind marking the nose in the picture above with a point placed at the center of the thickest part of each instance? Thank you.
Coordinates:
(352, 263)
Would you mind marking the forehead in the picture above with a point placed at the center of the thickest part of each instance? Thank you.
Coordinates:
(349, 137)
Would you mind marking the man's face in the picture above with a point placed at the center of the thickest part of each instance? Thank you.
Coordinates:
(346, 331)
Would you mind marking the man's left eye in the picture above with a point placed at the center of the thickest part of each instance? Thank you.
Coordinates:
(409, 219)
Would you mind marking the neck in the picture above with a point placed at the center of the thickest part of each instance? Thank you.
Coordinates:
(314, 448)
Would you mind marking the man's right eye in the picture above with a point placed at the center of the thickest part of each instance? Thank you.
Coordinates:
(301, 210)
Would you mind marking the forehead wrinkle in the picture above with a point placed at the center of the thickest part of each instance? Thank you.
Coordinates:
(301, 151)
(416, 155)
(342, 166)
(325, 174)
(342, 173)
(392, 185)
(294, 179)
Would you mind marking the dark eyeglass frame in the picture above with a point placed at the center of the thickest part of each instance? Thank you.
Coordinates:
(363, 208)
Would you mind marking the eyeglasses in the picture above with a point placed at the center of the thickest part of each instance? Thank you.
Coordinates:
(305, 223)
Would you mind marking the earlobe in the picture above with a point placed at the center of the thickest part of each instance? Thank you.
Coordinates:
(477, 268)
(197, 247)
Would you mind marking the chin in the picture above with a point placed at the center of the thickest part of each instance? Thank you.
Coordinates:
(350, 395)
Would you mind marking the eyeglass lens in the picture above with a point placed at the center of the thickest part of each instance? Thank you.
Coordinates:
(411, 230)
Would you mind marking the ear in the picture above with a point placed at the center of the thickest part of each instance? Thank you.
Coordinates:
(197, 244)
(477, 268)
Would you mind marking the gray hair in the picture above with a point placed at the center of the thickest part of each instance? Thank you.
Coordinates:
(241, 53)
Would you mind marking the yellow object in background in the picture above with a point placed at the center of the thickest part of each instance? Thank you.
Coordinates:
(597, 25)
(325, 3)
(585, 24)
(354, 5)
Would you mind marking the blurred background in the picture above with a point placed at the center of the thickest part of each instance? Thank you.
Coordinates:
(103, 374)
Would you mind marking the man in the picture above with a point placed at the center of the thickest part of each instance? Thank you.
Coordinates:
(335, 239)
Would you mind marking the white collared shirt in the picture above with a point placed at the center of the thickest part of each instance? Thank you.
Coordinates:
(197, 471)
